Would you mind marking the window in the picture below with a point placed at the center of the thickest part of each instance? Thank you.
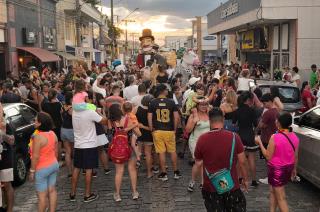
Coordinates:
(287, 94)
(17, 121)
(312, 119)
(28, 114)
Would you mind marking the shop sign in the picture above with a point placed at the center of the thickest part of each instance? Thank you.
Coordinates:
(49, 38)
(29, 35)
(233, 8)
(247, 40)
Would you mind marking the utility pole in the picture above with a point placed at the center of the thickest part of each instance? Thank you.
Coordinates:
(126, 43)
(78, 23)
(112, 34)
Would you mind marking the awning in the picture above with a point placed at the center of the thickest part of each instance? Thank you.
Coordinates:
(87, 49)
(42, 54)
(67, 56)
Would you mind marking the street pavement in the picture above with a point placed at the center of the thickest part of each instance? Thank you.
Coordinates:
(157, 196)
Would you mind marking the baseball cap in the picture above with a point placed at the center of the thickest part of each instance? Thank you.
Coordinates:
(193, 80)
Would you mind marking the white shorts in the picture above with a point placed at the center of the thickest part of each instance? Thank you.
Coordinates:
(102, 140)
(6, 175)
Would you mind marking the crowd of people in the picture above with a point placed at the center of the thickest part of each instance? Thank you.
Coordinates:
(87, 112)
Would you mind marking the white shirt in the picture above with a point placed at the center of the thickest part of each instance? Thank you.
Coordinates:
(136, 101)
(318, 96)
(97, 89)
(170, 72)
(84, 128)
(295, 78)
(130, 92)
(243, 84)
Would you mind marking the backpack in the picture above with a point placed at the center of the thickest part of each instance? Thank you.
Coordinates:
(119, 150)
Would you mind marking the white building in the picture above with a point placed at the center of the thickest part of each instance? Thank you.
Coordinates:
(275, 33)
(91, 20)
(175, 42)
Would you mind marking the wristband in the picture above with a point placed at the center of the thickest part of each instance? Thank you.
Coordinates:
(32, 171)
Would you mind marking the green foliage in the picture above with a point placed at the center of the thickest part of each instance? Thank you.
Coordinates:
(117, 31)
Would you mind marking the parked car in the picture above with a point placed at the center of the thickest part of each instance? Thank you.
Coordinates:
(289, 94)
(307, 127)
(20, 123)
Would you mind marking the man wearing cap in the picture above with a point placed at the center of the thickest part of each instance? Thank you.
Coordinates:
(163, 119)
(191, 83)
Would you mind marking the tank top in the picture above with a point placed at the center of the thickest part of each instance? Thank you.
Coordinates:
(47, 156)
(200, 128)
(66, 119)
(283, 153)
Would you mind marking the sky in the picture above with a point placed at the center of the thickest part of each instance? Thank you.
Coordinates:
(164, 17)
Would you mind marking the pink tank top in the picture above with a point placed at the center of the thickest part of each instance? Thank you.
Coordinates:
(47, 152)
(283, 152)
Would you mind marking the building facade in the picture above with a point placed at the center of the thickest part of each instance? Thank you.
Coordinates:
(92, 25)
(273, 33)
(31, 31)
(175, 42)
(205, 44)
(4, 66)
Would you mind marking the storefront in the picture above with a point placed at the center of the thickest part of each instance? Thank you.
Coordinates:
(273, 33)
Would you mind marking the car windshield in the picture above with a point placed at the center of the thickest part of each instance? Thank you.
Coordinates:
(287, 94)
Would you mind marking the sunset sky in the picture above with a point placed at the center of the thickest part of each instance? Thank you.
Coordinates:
(164, 17)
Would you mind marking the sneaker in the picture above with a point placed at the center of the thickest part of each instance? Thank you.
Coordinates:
(135, 195)
(72, 198)
(177, 175)
(264, 181)
(138, 164)
(117, 197)
(254, 184)
(191, 186)
(163, 176)
(107, 171)
(91, 198)
(201, 186)
(155, 170)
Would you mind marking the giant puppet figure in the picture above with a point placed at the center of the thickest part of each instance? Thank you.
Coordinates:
(150, 51)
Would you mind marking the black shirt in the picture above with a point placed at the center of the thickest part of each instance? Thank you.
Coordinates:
(10, 97)
(54, 110)
(162, 79)
(66, 119)
(218, 99)
(142, 116)
(6, 161)
(162, 113)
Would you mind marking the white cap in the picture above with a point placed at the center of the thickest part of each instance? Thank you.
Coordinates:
(120, 68)
(193, 80)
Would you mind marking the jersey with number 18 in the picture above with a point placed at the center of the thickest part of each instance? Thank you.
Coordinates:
(162, 110)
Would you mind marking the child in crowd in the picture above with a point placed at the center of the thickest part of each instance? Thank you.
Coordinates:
(195, 98)
(127, 108)
(80, 98)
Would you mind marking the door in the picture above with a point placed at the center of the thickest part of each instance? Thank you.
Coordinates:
(3, 73)
(309, 150)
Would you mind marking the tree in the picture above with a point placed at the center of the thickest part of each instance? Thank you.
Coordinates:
(117, 31)
(92, 2)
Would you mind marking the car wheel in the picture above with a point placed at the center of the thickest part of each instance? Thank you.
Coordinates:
(20, 170)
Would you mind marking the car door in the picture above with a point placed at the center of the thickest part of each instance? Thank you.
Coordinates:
(308, 130)
(29, 116)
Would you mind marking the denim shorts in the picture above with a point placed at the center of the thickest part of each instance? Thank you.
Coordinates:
(67, 135)
(46, 177)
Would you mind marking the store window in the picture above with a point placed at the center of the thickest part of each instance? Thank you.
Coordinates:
(285, 37)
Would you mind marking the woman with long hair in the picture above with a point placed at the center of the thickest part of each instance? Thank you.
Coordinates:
(282, 156)
(117, 120)
(198, 123)
(307, 97)
(44, 165)
(276, 98)
(229, 107)
(247, 121)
